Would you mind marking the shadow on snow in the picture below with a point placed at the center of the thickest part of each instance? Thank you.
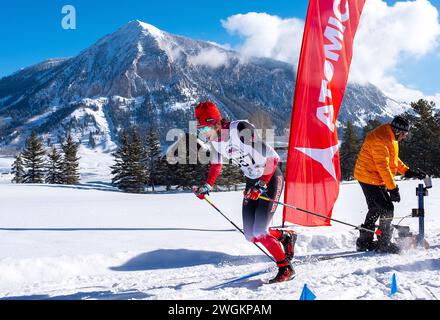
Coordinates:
(94, 295)
(181, 258)
(108, 187)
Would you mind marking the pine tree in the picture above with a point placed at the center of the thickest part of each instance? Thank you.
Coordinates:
(422, 148)
(136, 171)
(152, 159)
(128, 171)
(92, 143)
(55, 166)
(198, 174)
(33, 159)
(165, 175)
(185, 175)
(349, 152)
(189, 175)
(119, 171)
(182, 172)
(17, 170)
(70, 161)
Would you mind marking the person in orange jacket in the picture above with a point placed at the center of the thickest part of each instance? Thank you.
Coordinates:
(377, 164)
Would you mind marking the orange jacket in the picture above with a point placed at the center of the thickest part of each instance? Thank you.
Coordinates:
(378, 162)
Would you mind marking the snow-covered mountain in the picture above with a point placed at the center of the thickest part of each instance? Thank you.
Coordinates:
(143, 76)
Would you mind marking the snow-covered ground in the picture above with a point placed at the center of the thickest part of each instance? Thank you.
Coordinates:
(92, 242)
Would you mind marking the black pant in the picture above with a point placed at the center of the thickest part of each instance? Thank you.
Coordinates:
(379, 206)
(258, 214)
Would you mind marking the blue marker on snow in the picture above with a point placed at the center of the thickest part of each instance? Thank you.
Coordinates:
(393, 285)
(307, 294)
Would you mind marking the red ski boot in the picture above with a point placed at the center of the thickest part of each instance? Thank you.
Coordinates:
(285, 272)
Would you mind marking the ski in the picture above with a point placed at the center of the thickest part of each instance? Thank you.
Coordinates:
(349, 254)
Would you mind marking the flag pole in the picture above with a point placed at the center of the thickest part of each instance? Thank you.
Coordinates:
(377, 232)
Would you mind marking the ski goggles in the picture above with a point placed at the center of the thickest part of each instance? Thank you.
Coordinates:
(203, 132)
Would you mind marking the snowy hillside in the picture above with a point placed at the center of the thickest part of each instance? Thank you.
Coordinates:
(140, 75)
(91, 242)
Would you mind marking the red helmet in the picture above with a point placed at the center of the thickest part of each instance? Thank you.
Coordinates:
(207, 114)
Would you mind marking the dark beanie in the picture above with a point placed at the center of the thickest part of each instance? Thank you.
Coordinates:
(400, 124)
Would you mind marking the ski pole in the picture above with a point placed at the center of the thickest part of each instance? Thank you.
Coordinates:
(377, 232)
(236, 227)
(219, 211)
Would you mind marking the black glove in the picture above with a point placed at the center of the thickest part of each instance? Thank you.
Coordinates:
(394, 195)
(415, 173)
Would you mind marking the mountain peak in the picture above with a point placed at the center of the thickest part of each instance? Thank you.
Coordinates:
(145, 27)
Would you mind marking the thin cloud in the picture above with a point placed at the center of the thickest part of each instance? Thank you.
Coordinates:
(388, 33)
(267, 36)
(212, 58)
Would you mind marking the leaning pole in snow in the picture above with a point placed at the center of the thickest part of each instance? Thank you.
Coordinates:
(421, 193)
(313, 170)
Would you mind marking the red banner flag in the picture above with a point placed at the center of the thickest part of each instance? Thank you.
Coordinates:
(313, 170)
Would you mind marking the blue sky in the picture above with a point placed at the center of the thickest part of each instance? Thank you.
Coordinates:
(30, 31)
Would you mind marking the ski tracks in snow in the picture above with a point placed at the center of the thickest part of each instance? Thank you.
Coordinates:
(352, 277)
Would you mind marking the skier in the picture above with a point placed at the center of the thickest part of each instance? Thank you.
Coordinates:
(238, 141)
(377, 164)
